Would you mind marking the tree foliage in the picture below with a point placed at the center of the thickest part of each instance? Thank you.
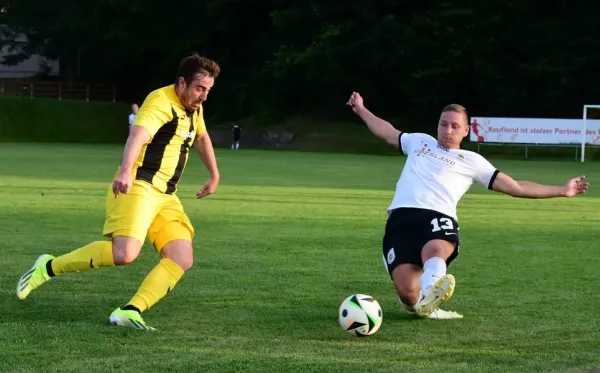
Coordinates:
(283, 57)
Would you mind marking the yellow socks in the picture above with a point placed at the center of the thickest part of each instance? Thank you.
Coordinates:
(160, 281)
(95, 255)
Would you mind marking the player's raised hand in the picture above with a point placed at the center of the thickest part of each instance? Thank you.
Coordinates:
(355, 102)
(122, 182)
(208, 188)
(577, 185)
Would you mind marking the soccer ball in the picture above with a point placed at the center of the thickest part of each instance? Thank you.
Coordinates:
(360, 314)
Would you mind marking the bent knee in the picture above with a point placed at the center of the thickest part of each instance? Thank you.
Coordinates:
(438, 248)
(406, 279)
(186, 264)
(125, 250)
(409, 295)
(180, 252)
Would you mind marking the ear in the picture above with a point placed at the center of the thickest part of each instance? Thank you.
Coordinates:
(467, 129)
(181, 82)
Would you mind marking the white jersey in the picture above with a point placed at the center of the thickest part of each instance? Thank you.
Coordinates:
(436, 178)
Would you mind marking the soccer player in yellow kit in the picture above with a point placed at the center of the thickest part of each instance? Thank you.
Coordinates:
(142, 201)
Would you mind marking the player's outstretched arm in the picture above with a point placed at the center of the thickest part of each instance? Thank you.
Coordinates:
(527, 189)
(380, 128)
(204, 147)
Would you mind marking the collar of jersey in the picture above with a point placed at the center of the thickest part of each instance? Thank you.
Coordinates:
(440, 146)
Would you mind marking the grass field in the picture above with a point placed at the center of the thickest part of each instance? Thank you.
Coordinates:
(284, 240)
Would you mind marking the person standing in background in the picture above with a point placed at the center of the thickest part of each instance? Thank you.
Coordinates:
(236, 132)
(133, 115)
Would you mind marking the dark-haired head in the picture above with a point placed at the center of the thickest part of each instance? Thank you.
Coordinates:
(195, 78)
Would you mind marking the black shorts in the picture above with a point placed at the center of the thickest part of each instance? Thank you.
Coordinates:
(408, 230)
(236, 137)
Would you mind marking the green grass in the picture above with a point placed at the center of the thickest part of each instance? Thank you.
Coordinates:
(284, 240)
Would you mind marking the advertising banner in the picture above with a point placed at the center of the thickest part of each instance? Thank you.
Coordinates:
(534, 131)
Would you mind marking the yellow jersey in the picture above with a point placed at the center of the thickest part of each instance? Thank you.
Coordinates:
(173, 130)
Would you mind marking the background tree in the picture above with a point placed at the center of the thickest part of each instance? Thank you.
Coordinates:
(285, 57)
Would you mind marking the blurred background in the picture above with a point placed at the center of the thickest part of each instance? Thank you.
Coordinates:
(291, 65)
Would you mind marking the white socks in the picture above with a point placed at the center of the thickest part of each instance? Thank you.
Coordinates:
(433, 269)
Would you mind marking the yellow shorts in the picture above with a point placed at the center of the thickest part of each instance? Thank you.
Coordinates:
(145, 212)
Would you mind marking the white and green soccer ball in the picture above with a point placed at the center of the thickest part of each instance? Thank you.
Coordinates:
(360, 315)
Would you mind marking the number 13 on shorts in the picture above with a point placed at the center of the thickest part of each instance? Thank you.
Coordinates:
(448, 226)
(442, 223)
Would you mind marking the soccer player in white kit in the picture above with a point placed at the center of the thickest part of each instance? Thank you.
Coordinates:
(421, 233)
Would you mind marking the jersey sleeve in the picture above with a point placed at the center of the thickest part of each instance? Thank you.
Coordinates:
(200, 125)
(408, 141)
(485, 172)
(154, 113)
